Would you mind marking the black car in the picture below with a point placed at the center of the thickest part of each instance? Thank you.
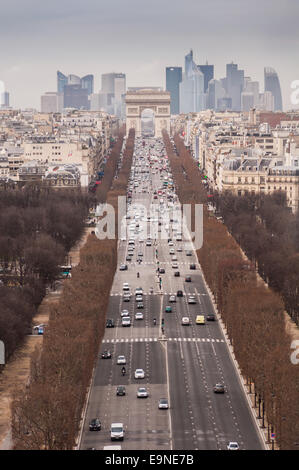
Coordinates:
(106, 355)
(179, 293)
(177, 274)
(192, 266)
(161, 270)
(188, 279)
(110, 323)
(95, 425)
(120, 390)
(211, 317)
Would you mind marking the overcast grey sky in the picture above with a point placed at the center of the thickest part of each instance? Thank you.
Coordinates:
(141, 38)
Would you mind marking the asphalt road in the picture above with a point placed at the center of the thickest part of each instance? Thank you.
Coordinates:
(183, 364)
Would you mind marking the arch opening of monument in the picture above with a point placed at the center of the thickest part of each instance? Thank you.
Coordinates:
(139, 100)
(147, 122)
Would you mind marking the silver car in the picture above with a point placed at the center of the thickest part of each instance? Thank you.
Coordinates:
(142, 392)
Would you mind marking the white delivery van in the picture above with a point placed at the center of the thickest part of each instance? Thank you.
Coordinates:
(117, 431)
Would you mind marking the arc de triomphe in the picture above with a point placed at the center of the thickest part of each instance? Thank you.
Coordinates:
(147, 98)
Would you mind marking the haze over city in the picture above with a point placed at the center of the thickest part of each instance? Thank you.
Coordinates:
(149, 229)
(141, 38)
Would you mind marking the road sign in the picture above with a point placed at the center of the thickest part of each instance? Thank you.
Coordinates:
(272, 436)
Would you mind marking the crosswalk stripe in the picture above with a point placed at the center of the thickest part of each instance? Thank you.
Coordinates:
(145, 340)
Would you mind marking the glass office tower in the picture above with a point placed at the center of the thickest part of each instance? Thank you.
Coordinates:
(272, 84)
(173, 80)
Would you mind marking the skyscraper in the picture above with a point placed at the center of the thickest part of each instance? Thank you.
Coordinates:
(208, 73)
(113, 91)
(173, 80)
(215, 93)
(73, 94)
(87, 82)
(234, 85)
(75, 97)
(272, 84)
(4, 99)
(61, 82)
(192, 96)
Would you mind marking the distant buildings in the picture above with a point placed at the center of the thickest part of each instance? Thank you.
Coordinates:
(173, 80)
(52, 102)
(192, 96)
(4, 100)
(234, 92)
(112, 94)
(272, 85)
(251, 152)
(72, 92)
(65, 150)
(208, 73)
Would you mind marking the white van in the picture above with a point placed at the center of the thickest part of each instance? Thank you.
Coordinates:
(117, 431)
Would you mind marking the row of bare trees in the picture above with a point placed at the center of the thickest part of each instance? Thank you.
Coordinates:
(110, 168)
(37, 227)
(268, 232)
(48, 415)
(252, 313)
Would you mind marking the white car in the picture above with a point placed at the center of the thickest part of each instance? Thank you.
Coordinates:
(191, 299)
(127, 297)
(139, 374)
(138, 291)
(124, 313)
(138, 316)
(121, 360)
(142, 392)
(233, 446)
(174, 265)
(126, 286)
(170, 243)
(163, 404)
(185, 321)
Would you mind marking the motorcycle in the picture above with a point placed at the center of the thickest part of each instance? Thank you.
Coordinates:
(155, 321)
(151, 290)
(138, 275)
(123, 371)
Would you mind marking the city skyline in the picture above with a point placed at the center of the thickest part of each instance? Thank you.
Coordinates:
(261, 38)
